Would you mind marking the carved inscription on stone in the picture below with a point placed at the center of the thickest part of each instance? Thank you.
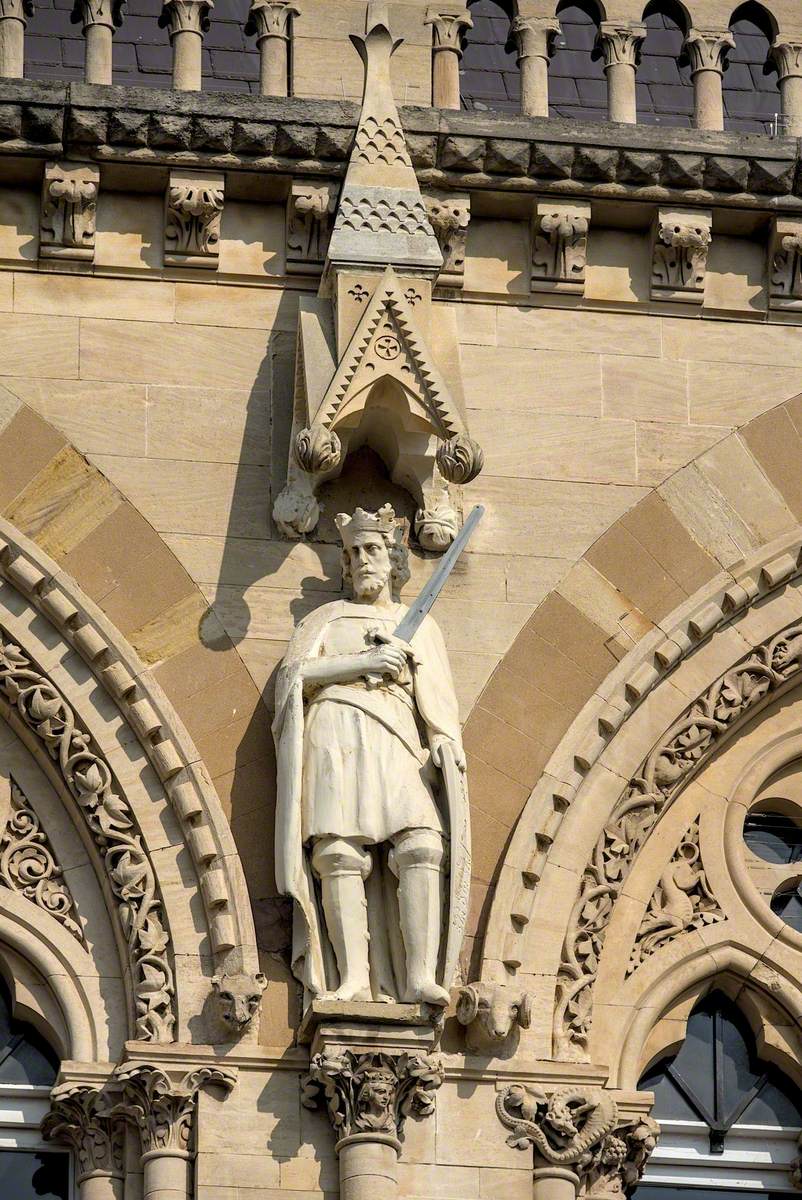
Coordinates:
(559, 246)
(69, 208)
(679, 254)
(310, 216)
(193, 210)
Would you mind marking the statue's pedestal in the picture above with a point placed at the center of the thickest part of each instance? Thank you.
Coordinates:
(373, 1066)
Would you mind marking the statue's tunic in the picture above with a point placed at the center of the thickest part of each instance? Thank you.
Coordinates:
(352, 761)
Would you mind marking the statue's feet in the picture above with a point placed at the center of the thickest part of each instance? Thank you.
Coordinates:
(384, 998)
(428, 993)
(346, 992)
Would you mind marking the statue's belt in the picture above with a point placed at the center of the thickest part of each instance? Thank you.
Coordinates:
(365, 698)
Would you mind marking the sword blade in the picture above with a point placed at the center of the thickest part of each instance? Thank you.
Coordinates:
(431, 590)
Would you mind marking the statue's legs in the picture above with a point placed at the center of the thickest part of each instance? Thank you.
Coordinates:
(417, 859)
(343, 866)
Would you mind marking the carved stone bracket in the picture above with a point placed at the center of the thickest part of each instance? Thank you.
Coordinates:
(239, 997)
(161, 1103)
(681, 240)
(311, 206)
(450, 216)
(69, 208)
(785, 263)
(82, 1116)
(559, 246)
(193, 207)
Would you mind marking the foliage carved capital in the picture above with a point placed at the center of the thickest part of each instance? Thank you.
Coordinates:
(82, 1116)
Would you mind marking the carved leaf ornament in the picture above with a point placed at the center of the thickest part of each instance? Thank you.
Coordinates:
(89, 779)
(692, 738)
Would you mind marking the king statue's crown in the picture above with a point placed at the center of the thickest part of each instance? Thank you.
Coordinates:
(384, 522)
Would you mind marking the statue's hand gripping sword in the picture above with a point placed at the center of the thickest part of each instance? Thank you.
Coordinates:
(411, 622)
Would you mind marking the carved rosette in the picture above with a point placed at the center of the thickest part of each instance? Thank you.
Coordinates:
(450, 215)
(707, 49)
(310, 216)
(69, 208)
(193, 211)
(372, 1092)
(186, 16)
(785, 263)
(559, 246)
(162, 1105)
(448, 25)
(109, 13)
(82, 1116)
(270, 19)
(679, 254)
(621, 43)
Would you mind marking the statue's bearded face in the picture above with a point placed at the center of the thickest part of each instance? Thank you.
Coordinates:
(369, 558)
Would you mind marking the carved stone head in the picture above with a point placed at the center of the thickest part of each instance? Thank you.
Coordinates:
(373, 552)
(239, 997)
(492, 1013)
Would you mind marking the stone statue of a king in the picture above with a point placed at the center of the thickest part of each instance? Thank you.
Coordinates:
(370, 765)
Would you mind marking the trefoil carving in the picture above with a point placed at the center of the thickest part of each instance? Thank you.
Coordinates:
(450, 215)
(310, 216)
(193, 212)
(679, 254)
(559, 246)
(69, 209)
(681, 902)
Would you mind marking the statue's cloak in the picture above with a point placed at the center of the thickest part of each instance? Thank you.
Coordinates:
(312, 957)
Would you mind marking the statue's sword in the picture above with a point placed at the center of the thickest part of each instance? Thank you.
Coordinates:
(410, 624)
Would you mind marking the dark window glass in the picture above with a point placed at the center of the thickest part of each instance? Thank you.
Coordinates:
(786, 903)
(716, 1077)
(651, 1191)
(33, 1175)
(773, 837)
(25, 1057)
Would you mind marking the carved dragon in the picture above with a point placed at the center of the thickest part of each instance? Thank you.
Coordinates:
(563, 1128)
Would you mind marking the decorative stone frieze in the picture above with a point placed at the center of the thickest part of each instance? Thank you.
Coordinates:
(492, 1014)
(239, 997)
(535, 37)
(193, 208)
(82, 1116)
(69, 209)
(310, 216)
(450, 216)
(785, 263)
(681, 240)
(28, 865)
(270, 21)
(559, 246)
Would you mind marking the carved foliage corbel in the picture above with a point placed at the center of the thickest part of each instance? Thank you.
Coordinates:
(785, 263)
(372, 1092)
(69, 209)
(559, 246)
(193, 211)
(450, 215)
(310, 216)
(680, 244)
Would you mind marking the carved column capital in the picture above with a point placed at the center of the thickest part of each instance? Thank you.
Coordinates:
(559, 246)
(270, 19)
(372, 1093)
(614, 1168)
(311, 206)
(621, 42)
(785, 263)
(186, 16)
(787, 54)
(448, 22)
(707, 49)
(16, 10)
(193, 209)
(109, 13)
(535, 36)
(681, 240)
(449, 216)
(82, 1116)
(162, 1105)
(69, 208)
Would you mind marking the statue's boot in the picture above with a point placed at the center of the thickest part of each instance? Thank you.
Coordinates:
(342, 868)
(417, 860)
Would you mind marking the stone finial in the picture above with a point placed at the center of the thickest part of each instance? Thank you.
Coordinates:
(270, 21)
(492, 1014)
(162, 1106)
(239, 997)
(707, 49)
(681, 241)
(69, 208)
(311, 205)
(785, 263)
(193, 210)
(372, 1092)
(381, 219)
(81, 1116)
(559, 246)
(535, 38)
(450, 216)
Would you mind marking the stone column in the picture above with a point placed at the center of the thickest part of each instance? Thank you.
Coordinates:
(370, 1079)
(13, 18)
(81, 1115)
(534, 37)
(707, 50)
(186, 22)
(621, 43)
(448, 21)
(787, 53)
(99, 19)
(270, 22)
(162, 1105)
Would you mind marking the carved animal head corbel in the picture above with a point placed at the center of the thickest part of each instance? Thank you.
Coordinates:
(239, 997)
(492, 1014)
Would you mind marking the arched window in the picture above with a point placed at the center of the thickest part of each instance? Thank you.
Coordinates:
(750, 86)
(28, 1067)
(728, 1120)
(489, 72)
(664, 84)
(577, 87)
